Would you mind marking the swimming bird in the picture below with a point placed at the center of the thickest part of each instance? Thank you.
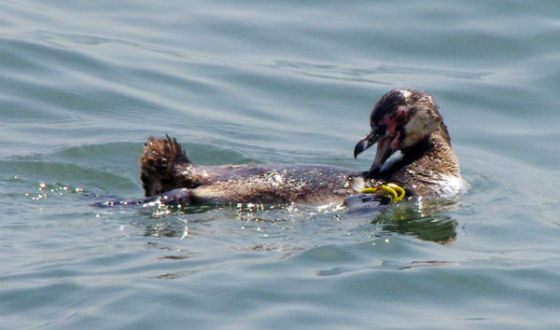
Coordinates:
(404, 120)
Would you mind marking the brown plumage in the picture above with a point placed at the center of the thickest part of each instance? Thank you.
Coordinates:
(403, 119)
(160, 161)
(166, 167)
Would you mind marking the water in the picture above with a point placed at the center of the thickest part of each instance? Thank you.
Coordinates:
(82, 85)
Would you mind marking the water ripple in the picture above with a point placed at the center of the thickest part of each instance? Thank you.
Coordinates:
(83, 84)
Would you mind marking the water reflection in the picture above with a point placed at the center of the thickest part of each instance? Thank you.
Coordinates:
(436, 228)
(166, 229)
(424, 219)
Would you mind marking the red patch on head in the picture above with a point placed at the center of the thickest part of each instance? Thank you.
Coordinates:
(395, 119)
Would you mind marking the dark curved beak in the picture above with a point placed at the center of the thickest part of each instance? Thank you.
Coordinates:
(365, 143)
(383, 152)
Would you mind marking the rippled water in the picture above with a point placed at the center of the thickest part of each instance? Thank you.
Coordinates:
(83, 84)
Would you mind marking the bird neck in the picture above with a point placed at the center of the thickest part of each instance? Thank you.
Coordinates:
(432, 157)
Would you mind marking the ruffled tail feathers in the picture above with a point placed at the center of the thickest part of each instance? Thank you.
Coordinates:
(158, 162)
